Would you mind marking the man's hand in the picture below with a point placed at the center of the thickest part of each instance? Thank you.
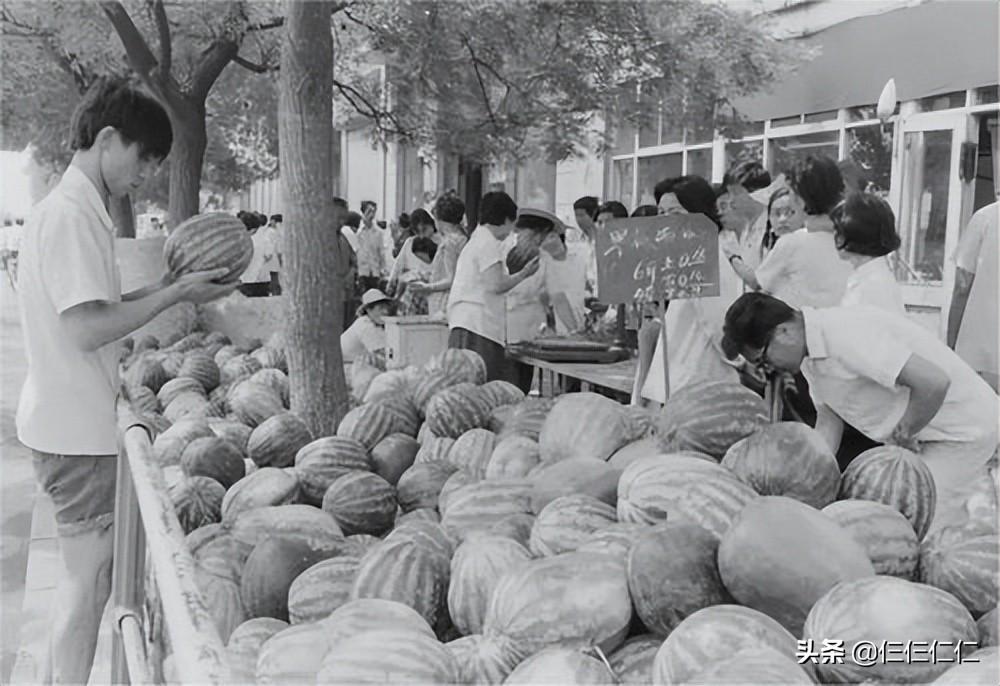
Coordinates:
(200, 287)
(530, 268)
(903, 437)
(729, 243)
(419, 287)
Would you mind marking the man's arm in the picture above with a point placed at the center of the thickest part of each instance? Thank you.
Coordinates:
(498, 281)
(928, 385)
(830, 426)
(959, 299)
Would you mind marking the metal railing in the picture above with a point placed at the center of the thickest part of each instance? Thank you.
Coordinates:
(146, 528)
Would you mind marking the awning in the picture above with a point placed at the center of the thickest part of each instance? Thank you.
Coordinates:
(930, 49)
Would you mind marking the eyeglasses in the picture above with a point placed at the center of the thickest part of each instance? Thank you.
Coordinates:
(760, 360)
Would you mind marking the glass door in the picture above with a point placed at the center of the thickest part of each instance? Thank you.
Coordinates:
(929, 195)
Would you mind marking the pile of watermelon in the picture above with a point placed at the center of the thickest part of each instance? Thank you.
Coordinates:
(456, 531)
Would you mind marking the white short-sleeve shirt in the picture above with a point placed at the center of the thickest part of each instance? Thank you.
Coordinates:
(854, 355)
(260, 267)
(873, 283)
(805, 270)
(362, 336)
(470, 305)
(67, 404)
(978, 252)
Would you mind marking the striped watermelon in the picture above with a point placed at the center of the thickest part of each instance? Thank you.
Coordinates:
(421, 514)
(884, 608)
(672, 574)
(274, 379)
(420, 485)
(754, 665)
(362, 503)
(435, 449)
(615, 540)
(238, 368)
(143, 400)
(567, 522)
(403, 571)
(709, 418)
(466, 365)
(212, 240)
(188, 404)
(569, 477)
(226, 353)
(269, 572)
(498, 393)
(787, 458)
(201, 367)
(222, 598)
(367, 424)
(430, 536)
(222, 556)
(472, 450)
(370, 614)
(197, 501)
(265, 487)
(359, 544)
(681, 488)
(429, 384)
(244, 646)
(516, 527)
(405, 416)
(457, 480)
(271, 358)
(981, 667)
(321, 462)
(528, 417)
(393, 455)
(647, 447)
(988, 629)
(392, 383)
(175, 387)
(480, 660)
(476, 569)
(896, 477)
(583, 425)
(252, 403)
(964, 564)
(480, 505)
(632, 663)
(169, 445)
(883, 532)
(575, 599)
(289, 522)
(455, 410)
(389, 655)
(171, 363)
(215, 458)
(146, 371)
(514, 457)
(321, 589)
(233, 431)
(757, 570)
(276, 441)
(292, 656)
(562, 666)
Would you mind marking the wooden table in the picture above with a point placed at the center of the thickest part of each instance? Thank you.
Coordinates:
(617, 376)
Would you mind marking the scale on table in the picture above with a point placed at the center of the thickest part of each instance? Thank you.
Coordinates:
(570, 350)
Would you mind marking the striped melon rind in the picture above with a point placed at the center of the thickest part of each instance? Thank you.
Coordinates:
(709, 418)
(420, 485)
(303, 522)
(403, 571)
(964, 564)
(265, 487)
(885, 534)
(884, 608)
(498, 393)
(222, 599)
(695, 642)
(405, 416)
(369, 614)
(567, 522)
(238, 367)
(480, 505)
(513, 458)
(632, 663)
(367, 424)
(480, 660)
(583, 425)
(557, 664)
(201, 367)
(321, 462)
(292, 656)
(754, 665)
(516, 527)
(276, 440)
(681, 488)
(252, 403)
(274, 379)
(321, 589)
(197, 501)
(389, 655)
(472, 450)
(476, 569)
(362, 503)
(455, 482)
(615, 539)
(169, 445)
(455, 410)
(213, 240)
(244, 646)
(175, 387)
(435, 449)
(896, 477)
(466, 365)
(430, 383)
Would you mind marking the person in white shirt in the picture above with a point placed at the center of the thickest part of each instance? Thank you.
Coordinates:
(476, 311)
(367, 333)
(407, 267)
(884, 374)
(370, 248)
(972, 319)
(745, 191)
(449, 211)
(255, 281)
(274, 231)
(865, 233)
(73, 315)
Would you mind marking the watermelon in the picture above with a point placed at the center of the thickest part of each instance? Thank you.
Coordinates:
(367, 424)
(516, 527)
(884, 533)
(393, 455)
(171, 363)
(472, 451)
(987, 625)
(215, 458)
(238, 368)
(269, 572)
(567, 522)
(579, 475)
(672, 574)
(244, 646)
(226, 353)
(457, 480)
(498, 393)
(964, 564)
(252, 403)
(709, 418)
(479, 660)
(754, 665)
(478, 506)
(884, 608)
(632, 663)
(367, 614)
(386, 385)
(146, 371)
(197, 501)
(583, 425)
(420, 485)
(362, 503)
(175, 387)
(209, 241)
(896, 477)
(455, 410)
(231, 430)
(562, 666)
(466, 365)
(615, 540)
(169, 445)
(143, 400)
(405, 415)
(319, 463)
(264, 487)
(271, 358)
(188, 404)
(223, 555)
(787, 458)
(527, 417)
(414, 658)
(276, 440)
(513, 458)
(292, 656)
(430, 383)
(222, 599)
(403, 571)
(430, 536)
(435, 449)
(981, 667)
(757, 570)
(289, 522)
(321, 589)
(274, 379)
(476, 569)
(201, 367)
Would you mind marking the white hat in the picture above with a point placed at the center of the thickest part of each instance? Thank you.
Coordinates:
(371, 297)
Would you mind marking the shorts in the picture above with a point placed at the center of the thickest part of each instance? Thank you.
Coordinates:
(82, 488)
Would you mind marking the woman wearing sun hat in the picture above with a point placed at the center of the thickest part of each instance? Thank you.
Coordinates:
(367, 333)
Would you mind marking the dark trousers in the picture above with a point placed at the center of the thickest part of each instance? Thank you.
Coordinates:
(498, 367)
(255, 290)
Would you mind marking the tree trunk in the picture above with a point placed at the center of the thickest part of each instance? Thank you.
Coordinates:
(122, 216)
(315, 303)
(186, 158)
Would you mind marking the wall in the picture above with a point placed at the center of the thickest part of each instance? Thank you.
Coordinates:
(363, 171)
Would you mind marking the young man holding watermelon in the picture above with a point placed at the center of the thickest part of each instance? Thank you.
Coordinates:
(73, 315)
(887, 376)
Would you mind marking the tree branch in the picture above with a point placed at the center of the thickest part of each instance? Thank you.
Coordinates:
(213, 60)
(254, 67)
(163, 32)
(140, 57)
(482, 85)
(362, 105)
(275, 23)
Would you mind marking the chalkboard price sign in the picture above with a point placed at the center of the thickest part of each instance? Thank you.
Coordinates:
(655, 258)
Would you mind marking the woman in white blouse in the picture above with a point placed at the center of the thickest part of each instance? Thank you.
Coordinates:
(865, 233)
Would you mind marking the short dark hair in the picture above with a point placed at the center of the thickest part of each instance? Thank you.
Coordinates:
(769, 238)
(497, 208)
(855, 177)
(339, 202)
(366, 203)
(864, 224)
(136, 116)
(817, 180)
(614, 208)
(425, 245)
(533, 222)
(750, 174)
(645, 211)
(751, 320)
(277, 218)
(249, 219)
(404, 220)
(353, 220)
(587, 203)
(449, 208)
(694, 193)
(421, 217)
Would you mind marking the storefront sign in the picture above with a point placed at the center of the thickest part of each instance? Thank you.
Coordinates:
(656, 258)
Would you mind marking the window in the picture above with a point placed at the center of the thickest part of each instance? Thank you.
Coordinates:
(624, 139)
(743, 151)
(699, 162)
(923, 211)
(786, 121)
(828, 115)
(785, 152)
(621, 187)
(652, 170)
(861, 113)
(987, 95)
(649, 135)
(946, 101)
(871, 148)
